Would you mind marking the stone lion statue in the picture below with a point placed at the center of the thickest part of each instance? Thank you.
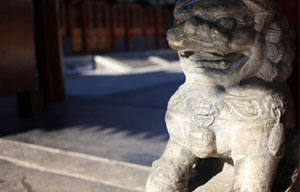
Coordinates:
(234, 106)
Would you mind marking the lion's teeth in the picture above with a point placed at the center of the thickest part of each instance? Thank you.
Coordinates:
(210, 64)
(223, 65)
(215, 65)
(246, 53)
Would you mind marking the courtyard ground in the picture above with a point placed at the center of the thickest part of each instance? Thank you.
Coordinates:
(103, 138)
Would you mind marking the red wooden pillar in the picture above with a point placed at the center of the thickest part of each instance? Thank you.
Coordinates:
(68, 17)
(158, 27)
(56, 66)
(144, 21)
(112, 26)
(127, 27)
(17, 50)
(84, 27)
(17, 53)
(70, 21)
(49, 50)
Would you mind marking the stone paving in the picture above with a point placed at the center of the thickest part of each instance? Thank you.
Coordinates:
(28, 162)
(30, 168)
(123, 62)
(126, 126)
(15, 178)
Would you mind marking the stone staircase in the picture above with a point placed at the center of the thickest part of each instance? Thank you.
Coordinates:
(135, 61)
(32, 168)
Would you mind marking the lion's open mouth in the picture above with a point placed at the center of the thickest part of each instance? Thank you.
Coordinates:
(213, 61)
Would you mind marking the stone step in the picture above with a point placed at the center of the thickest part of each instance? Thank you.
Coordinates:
(42, 163)
(122, 62)
(129, 62)
(15, 178)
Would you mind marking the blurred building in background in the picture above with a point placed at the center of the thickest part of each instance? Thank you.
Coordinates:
(99, 26)
(36, 34)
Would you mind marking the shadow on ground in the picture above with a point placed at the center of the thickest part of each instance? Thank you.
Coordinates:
(118, 117)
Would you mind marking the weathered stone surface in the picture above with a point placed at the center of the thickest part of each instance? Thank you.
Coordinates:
(130, 177)
(20, 179)
(234, 105)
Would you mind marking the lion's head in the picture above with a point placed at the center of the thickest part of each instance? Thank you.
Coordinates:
(227, 41)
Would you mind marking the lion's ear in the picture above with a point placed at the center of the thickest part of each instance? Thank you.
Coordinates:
(263, 11)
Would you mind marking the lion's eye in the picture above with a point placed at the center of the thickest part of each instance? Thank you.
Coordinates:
(227, 23)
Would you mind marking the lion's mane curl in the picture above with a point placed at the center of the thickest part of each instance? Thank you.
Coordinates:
(279, 38)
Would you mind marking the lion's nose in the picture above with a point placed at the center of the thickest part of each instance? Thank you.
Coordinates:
(190, 28)
(203, 31)
(172, 34)
(175, 37)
